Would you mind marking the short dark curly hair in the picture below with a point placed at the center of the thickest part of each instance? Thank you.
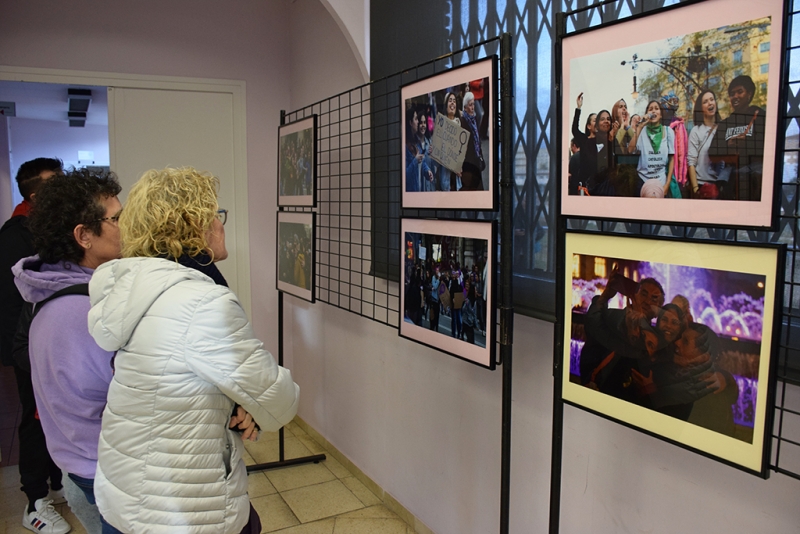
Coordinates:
(62, 203)
(28, 179)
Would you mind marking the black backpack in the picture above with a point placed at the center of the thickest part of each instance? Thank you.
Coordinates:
(29, 311)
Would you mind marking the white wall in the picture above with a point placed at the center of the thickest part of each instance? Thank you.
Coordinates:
(245, 40)
(31, 138)
(352, 17)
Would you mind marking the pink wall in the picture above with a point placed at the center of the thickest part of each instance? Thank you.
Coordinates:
(245, 40)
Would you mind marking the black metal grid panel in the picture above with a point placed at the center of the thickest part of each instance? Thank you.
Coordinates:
(344, 193)
(785, 457)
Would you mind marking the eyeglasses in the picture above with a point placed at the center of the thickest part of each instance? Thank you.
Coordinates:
(222, 215)
(114, 219)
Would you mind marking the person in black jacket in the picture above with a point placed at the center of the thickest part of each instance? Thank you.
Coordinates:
(739, 142)
(16, 242)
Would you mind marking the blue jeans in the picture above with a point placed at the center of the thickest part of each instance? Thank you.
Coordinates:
(86, 485)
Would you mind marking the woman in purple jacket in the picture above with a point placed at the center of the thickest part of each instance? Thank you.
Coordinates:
(74, 224)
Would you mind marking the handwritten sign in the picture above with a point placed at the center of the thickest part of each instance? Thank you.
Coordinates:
(449, 143)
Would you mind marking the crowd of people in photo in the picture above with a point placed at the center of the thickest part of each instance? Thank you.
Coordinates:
(655, 355)
(294, 264)
(139, 374)
(297, 161)
(658, 154)
(463, 106)
(437, 289)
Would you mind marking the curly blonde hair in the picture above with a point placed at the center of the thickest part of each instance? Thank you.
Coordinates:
(168, 213)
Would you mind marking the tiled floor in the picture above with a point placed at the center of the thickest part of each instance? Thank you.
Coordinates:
(322, 498)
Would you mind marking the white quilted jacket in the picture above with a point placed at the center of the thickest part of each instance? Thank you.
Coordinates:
(167, 462)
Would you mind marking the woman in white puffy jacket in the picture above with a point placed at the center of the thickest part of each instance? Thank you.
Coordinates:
(188, 367)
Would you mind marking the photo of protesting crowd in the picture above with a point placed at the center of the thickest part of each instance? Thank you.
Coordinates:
(448, 135)
(680, 340)
(296, 164)
(295, 253)
(444, 287)
(680, 118)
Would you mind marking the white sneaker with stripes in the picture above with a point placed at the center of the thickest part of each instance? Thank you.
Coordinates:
(45, 519)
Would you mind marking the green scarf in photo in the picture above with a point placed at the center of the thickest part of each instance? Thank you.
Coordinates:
(655, 133)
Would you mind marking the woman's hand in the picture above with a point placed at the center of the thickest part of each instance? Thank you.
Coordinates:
(579, 101)
(244, 422)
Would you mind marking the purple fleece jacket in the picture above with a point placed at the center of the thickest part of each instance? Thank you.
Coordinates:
(70, 372)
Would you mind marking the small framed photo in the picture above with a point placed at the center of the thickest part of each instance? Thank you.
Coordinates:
(449, 139)
(677, 122)
(296, 258)
(447, 300)
(297, 163)
(676, 339)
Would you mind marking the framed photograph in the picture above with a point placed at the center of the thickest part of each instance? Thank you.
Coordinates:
(297, 234)
(297, 163)
(448, 287)
(449, 138)
(677, 339)
(674, 117)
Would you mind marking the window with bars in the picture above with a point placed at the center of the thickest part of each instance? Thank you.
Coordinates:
(531, 24)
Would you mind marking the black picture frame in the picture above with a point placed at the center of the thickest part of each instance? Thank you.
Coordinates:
(463, 244)
(596, 63)
(297, 163)
(296, 236)
(479, 187)
(724, 349)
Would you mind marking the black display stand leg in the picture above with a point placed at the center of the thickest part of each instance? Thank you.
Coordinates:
(506, 269)
(282, 461)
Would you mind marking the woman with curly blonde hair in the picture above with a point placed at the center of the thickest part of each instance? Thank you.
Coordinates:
(190, 376)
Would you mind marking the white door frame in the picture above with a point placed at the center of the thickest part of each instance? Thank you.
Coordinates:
(140, 81)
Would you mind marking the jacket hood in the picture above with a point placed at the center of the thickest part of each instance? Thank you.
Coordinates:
(37, 280)
(122, 291)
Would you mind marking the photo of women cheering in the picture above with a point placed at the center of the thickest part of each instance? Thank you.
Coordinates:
(686, 117)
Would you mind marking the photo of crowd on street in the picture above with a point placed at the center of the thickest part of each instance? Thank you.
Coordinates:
(680, 340)
(679, 118)
(295, 255)
(296, 164)
(444, 286)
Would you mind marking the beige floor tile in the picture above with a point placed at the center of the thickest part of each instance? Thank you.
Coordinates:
(322, 500)
(272, 436)
(9, 476)
(310, 444)
(268, 451)
(12, 504)
(259, 485)
(360, 490)
(372, 512)
(369, 526)
(298, 476)
(274, 513)
(66, 513)
(317, 527)
(336, 467)
(248, 460)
